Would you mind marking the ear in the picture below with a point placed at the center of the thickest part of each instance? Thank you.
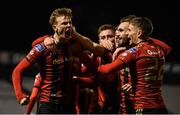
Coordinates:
(139, 33)
(54, 27)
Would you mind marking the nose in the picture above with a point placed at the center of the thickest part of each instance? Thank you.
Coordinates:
(117, 32)
(68, 25)
(127, 32)
(117, 37)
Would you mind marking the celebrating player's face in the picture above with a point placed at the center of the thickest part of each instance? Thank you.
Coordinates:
(106, 38)
(121, 36)
(63, 27)
(133, 34)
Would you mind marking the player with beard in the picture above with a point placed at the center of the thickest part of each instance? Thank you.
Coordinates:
(146, 61)
(125, 98)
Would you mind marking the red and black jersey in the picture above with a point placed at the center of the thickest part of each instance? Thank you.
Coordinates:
(56, 66)
(107, 87)
(146, 62)
(148, 71)
(126, 99)
(166, 48)
(105, 90)
(54, 69)
(39, 40)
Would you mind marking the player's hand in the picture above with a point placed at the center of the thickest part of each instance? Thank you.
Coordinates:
(24, 101)
(75, 78)
(107, 44)
(117, 52)
(49, 42)
(127, 88)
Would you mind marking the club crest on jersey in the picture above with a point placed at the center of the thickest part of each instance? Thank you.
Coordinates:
(57, 61)
(39, 47)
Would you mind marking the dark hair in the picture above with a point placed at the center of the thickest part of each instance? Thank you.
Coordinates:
(105, 27)
(59, 12)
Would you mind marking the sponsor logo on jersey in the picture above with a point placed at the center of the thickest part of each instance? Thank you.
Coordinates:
(152, 52)
(132, 50)
(39, 47)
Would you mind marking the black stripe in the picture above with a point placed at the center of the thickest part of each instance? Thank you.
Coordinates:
(54, 76)
(29, 60)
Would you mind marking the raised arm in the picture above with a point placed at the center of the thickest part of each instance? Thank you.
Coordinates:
(88, 44)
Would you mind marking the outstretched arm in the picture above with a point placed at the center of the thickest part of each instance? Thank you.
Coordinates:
(111, 67)
(87, 44)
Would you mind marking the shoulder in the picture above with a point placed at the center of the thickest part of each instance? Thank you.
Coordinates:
(75, 44)
(40, 47)
(133, 49)
(39, 40)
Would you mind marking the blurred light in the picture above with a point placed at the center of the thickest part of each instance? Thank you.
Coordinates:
(9, 58)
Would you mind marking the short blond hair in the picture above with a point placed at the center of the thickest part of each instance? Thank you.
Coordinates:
(59, 12)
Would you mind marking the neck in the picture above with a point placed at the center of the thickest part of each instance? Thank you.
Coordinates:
(56, 38)
(139, 41)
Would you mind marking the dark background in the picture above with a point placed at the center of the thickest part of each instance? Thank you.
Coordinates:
(24, 21)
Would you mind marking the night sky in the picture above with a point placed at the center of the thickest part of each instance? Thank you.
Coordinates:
(24, 21)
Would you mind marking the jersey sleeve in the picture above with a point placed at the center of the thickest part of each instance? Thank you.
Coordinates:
(36, 52)
(166, 48)
(17, 78)
(128, 56)
(123, 59)
(39, 40)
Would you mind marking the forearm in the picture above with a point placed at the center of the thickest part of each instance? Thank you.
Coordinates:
(17, 84)
(87, 44)
(30, 106)
(32, 101)
(85, 81)
(111, 67)
(17, 78)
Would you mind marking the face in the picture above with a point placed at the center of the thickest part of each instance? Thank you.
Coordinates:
(107, 35)
(63, 25)
(121, 36)
(134, 34)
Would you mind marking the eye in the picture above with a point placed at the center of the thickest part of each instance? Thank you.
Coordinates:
(120, 30)
(102, 37)
(110, 36)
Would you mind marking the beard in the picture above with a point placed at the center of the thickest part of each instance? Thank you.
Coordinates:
(123, 42)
